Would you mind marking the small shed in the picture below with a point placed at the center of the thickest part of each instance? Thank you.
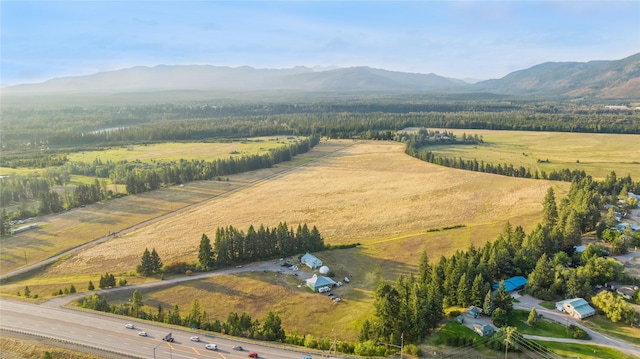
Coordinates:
(484, 330)
(311, 261)
(317, 282)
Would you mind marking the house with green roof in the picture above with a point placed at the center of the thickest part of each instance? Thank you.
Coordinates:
(318, 282)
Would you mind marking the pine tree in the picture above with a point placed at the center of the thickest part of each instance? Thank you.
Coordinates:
(156, 262)
(91, 286)
(488, 305)
(477, 289)
(550, 209)
(502, 299)
(145, 267)
(205, 252)
(136, 302)
(462, 293)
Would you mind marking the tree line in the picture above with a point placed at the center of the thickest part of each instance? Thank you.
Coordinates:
(29, 128)
(138, 177)
(413, 306)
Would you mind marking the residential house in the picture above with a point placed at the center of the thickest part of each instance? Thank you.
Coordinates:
(576, 307)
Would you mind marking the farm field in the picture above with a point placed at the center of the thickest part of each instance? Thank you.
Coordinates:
(596, 154)
(354, 192)
(168, 152)
(369, 193)
(362, 192)
(174, 151)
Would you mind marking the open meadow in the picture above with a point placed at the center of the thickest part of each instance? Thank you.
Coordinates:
(366, 192)
(360, 192)
(596, 154)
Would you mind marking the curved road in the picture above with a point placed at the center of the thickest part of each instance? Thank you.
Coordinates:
(527, 302)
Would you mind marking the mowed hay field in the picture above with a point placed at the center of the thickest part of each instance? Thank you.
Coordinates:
(596, 154)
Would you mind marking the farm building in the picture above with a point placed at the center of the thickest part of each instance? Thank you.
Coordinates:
(24, 228)
(576, 307)
(512, 284)
(483, 330)
(311, 261)
(316, 283)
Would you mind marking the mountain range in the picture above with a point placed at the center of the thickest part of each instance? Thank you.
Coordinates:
(617, 79)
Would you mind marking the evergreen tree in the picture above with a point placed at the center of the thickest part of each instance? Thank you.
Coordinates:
(156, 262)
(463, 292)
(205, 252)
(91, 286)
(549, 209)
(477, 291)
(136, 302)
(146, 266)
(502, 299)
(272, 328)
(194, 318)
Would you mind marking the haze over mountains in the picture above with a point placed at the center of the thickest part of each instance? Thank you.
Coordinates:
(618, 79)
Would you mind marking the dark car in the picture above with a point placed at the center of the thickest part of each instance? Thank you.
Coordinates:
(253, 355)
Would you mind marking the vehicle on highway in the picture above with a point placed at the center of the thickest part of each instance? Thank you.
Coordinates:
(168, 338)
(307, 357)
(237, 347)
(253, 355)
(194, 339)
(211, 346)
(129, 326)
(142, 334)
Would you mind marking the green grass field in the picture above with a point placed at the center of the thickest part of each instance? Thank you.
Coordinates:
(596, 154)
(174, 151)
(584, 351)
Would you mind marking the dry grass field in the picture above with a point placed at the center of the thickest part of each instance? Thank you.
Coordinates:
(596, 154)
(365, 192)
(369, 193)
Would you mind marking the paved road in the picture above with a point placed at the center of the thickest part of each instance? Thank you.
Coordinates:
(108, 333)
(527, 302)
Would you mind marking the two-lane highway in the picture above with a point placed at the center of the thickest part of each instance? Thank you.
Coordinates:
(108, 333)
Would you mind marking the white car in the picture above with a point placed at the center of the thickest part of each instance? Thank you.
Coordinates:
(194, 339)
(211, 346)
(142, 334)
(336, 299)
(129, 326)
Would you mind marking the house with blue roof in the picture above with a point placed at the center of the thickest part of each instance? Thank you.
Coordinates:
(512, 284)
(576, 307)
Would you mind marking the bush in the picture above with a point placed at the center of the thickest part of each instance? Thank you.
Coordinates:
(413, 350)
(454, 313)
(578, 333)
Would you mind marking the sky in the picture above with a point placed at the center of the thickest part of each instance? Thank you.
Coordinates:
(40, 40)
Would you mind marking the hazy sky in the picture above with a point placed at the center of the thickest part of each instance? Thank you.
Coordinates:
(463, 39)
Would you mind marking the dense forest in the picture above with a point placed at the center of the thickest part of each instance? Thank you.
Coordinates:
(24, 127)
